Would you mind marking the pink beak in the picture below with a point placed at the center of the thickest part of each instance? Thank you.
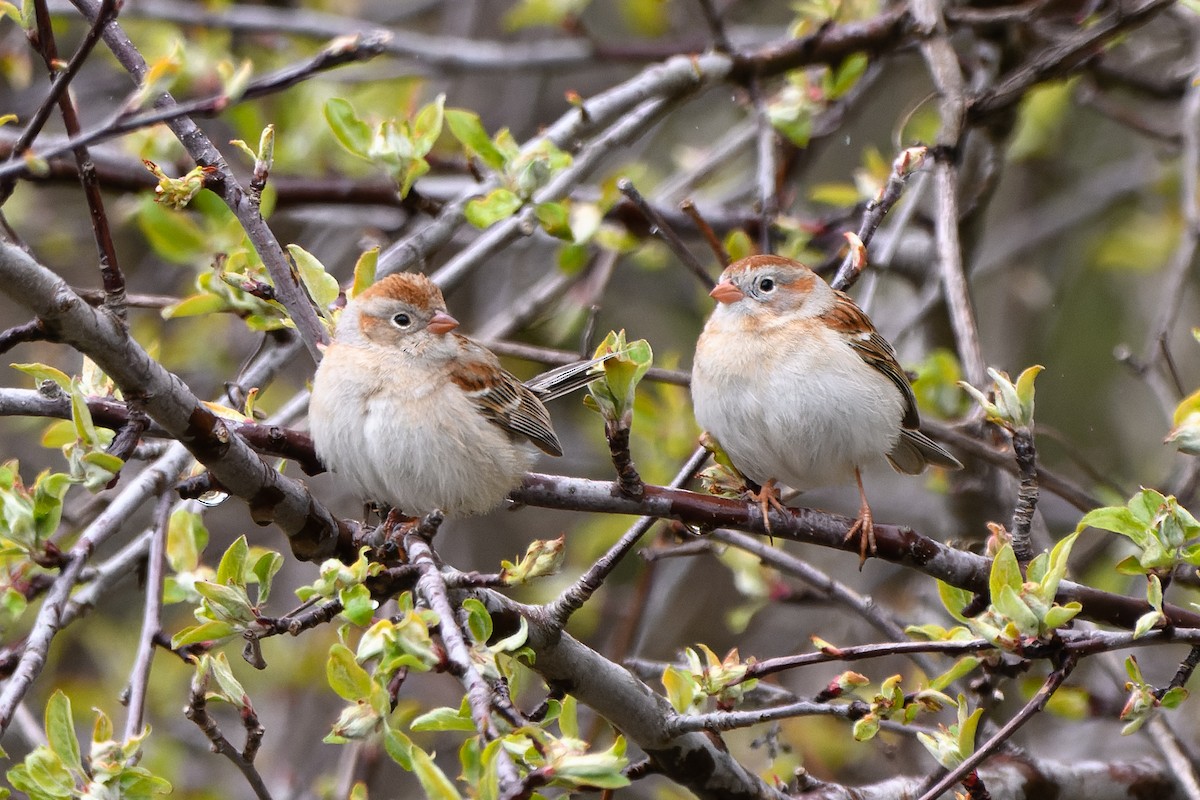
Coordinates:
(726, 292)
(442, 323)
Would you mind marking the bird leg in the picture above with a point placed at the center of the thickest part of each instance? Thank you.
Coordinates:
(864, 526)
(767, 497)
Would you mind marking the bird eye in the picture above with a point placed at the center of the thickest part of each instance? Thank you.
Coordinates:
(766, 285)
(402, 320)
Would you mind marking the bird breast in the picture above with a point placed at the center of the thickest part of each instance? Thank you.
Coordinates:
(411, 440)
(805, 411)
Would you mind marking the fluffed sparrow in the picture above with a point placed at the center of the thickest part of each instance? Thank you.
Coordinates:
(418, 417)
(794, 382)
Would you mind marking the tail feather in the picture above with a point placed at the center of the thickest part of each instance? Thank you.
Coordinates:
(567, 378)
(914, 450)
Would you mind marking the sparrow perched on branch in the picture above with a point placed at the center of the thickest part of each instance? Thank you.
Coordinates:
(416, 416)
(798, 387)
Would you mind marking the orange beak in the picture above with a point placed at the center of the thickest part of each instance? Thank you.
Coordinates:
(442, 323)
(726, 292)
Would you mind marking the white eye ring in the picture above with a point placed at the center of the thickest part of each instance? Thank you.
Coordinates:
(766, 285)
(402, 320)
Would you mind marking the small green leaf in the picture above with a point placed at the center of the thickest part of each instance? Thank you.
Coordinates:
(469, 131)
(427, 125)
(1006, 572)
(42, 373)
(435, 783)
(555, 219)
(60, 731)
(963, 667)
(322, 287)
(350, 131)
(499, 204)
(345, 676)
(479, 622)
(445, 719)
(232, 569)
(205, 632)
(364, 271)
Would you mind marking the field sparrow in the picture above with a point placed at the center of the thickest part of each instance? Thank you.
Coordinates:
(418, 417)
(793, 380)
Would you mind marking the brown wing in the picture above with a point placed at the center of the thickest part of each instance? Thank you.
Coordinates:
(876, 351)
(503, 399)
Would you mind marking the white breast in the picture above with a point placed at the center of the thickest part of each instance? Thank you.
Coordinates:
(805, 417)
(416, 444)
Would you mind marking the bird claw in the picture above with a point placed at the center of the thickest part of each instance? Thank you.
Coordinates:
(767, 498)
(864, 528)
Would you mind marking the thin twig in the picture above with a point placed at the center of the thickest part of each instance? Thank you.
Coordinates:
(659, 227)
(1036, 703)
(139, 676)
(432, 589)
(197, 712)
(574, 596)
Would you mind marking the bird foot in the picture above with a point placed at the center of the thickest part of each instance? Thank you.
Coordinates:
(767, 498)
(864, 529)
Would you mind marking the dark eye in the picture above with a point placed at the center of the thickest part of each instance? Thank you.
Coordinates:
(766, 285)
(402, 320)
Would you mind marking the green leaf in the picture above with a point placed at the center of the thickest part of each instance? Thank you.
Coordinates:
(738, 245)
(173, 235)
(205, 632)
(357, 605)
(60, 731)
(1058, 616)
(227, 603)
(345, 675)
(499, 204)
(264, 570)
(846, 75)
(232, 569)
(1146, 622)
(1006, 572)
(435, 783)
(364, 271)
(555, 219)
(350, 131)
(469, 131)
(963, 667)
(428, 125)
(196, 305)
(680, 688)
(399, 747)
(1057, 568)
(479, 622)
(322, 287)
(186, 539)
(42, 373)
(445, 719)
(954, 599)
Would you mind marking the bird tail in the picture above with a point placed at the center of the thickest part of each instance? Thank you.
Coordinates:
(567, 378)
(914, 450)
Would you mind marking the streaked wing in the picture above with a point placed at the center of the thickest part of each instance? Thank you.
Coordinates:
(849, 319)
(503, 399)
(567, 378)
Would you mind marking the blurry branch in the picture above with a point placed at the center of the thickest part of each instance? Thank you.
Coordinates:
(523, 223)
(825, 585)
(312, 531)
(896, 544)
(1184, 256)
(139, 680)
(1053, 681)
(672, 79)
(943, 65)
(1016, 776)
(661, 228)
(1061, 57)
(1050, 481)
(53, 614)
(693, 760)
(289, 289)
(110, 270)
(60, 80)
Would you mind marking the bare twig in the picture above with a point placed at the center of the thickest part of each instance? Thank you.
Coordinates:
(139, 676)
(660, 228)
(1036, 703)
(197, 712)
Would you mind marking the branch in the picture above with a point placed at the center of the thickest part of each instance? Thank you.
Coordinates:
(1036, 703)
(313, 532)
(896, 544)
